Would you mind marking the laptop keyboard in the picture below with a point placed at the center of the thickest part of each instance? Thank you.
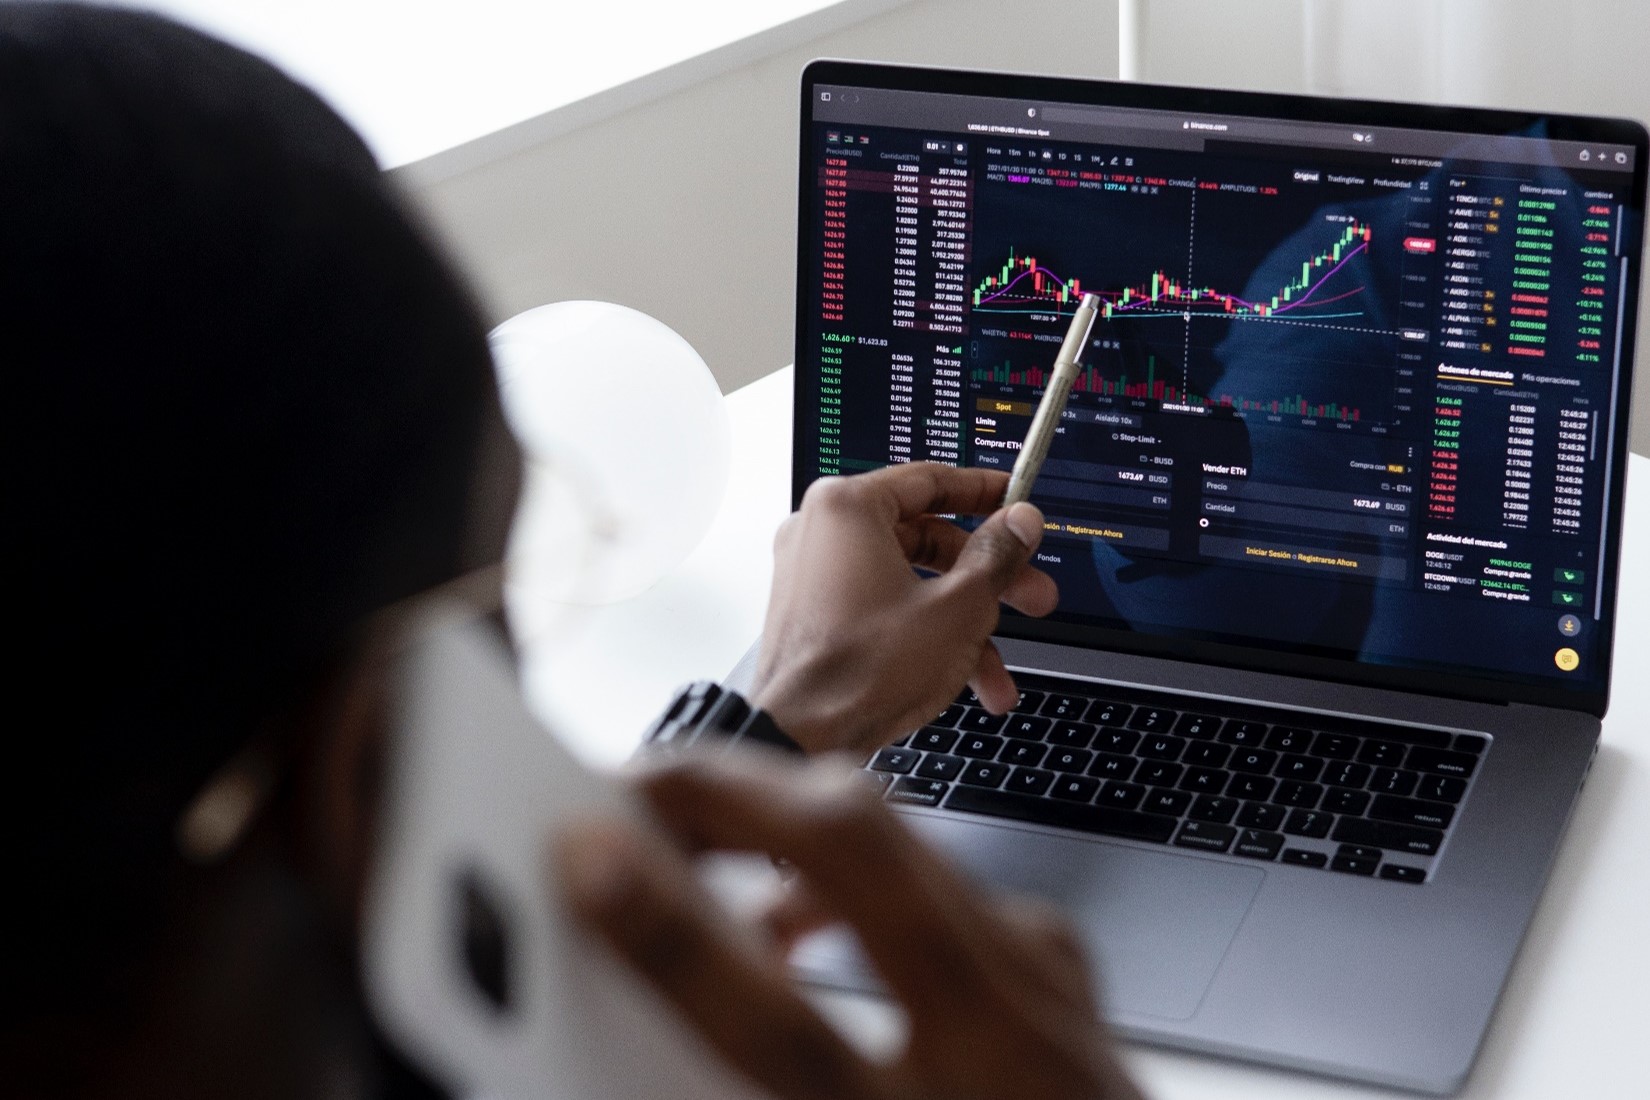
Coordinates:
(1359, 797)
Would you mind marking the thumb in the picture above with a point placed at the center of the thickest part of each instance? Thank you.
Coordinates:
(997, 549)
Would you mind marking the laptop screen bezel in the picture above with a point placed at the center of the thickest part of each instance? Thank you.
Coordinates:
(1412, 116)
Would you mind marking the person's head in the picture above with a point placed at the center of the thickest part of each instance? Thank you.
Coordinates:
(252, 401)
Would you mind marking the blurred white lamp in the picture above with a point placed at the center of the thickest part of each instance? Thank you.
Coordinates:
(627, 443)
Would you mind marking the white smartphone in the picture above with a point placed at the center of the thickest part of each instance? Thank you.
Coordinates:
(472, 965)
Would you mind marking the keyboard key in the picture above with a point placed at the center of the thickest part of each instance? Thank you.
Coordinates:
(1399, 873)
(932, 739)
(1385, 834)
(1030, 702)
(1258, 844)
(1345, 773)
(1069, 707)
(1112, 739)
(1075, 788)
(1415, 735)
(1471, 742)
(1342, 801)
(1207, 754)
(1304, 795)
(1306, 769)
(903, 742)
(1358, 851)
(1027, 727)
(1309, 823)
(981, 773)
(1108, 765)
(1289, 739)
(1124, 796)
(1103, 820)
(1386, 754)
(1441, 761)
(1068, 760)
(1393, 781)
(939, 766)
(1030, 781)
(1104, 713)
(1254, 761)
(1208, 807)
(1161, 747)
(1200, 726)
(1203, 780)
(911, 791)
(1257, 787)
(975, 720)
(1335, 746)
(898, 761)
(1024, 754)
(1071, 735)
(949, 716)
(1412, 811)
(1153, 719)
(1241, 731)
(1349, 866)
(1156, 773)
(1205, 836)
(880, 780)
(1259, 815)
(1163, 801)
(980, 747)
(1305, 858)
(1441, 788)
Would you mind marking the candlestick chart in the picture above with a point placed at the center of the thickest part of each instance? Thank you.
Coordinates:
(1320, 291)
(1226, 301)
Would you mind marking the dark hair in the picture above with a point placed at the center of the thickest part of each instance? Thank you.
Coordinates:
(251, 394)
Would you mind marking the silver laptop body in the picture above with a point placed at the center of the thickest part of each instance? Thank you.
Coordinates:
(1346, 460)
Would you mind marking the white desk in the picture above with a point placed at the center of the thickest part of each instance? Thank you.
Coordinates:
(1571, 1021)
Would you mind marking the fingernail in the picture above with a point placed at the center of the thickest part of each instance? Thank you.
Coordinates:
(598, 870)
(1026, 521)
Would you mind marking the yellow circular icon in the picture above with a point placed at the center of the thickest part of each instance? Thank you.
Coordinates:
(1567, 659)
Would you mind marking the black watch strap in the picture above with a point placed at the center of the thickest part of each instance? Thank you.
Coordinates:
(708, 711)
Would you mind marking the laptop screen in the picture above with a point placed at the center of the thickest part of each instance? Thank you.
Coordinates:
(1356, 399)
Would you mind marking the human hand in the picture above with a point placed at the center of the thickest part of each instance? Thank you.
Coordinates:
(996, 991)
(857, 649)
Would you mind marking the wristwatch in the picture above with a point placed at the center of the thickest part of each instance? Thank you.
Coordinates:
(707, 711)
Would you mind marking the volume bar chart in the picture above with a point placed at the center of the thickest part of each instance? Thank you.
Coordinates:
(1153, 388)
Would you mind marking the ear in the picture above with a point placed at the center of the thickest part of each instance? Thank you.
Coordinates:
(341, 777)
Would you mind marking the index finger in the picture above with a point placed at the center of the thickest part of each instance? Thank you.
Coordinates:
(640, 896)
(926, 928)
(923, 488)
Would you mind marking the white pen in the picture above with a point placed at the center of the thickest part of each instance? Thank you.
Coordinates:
(1053, 404)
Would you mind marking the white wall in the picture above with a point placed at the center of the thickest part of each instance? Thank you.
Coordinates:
(1568, 55)
(684, 205)
(416, 77)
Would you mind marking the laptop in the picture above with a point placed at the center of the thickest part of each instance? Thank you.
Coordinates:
(1334, 509)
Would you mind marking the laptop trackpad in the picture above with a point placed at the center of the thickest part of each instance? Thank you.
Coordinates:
(1158, 923)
